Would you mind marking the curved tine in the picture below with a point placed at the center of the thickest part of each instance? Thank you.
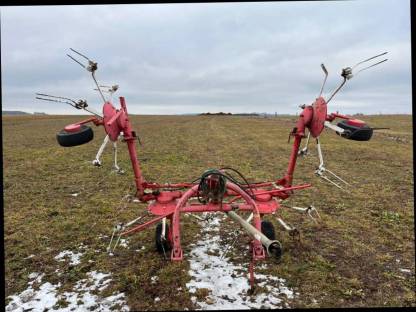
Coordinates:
(80, 54)
(102, 90)
(371, 66)
(51, 100)
(76, 61)
(369, 59)
(56, 101)
(57, 97)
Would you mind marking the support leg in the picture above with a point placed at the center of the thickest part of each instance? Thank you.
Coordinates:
(115, 166)
(96, 161)
(304, 150)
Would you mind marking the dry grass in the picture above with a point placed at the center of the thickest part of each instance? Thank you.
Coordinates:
(352, 259)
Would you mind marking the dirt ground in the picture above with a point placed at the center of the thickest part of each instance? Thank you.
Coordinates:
(361, 253)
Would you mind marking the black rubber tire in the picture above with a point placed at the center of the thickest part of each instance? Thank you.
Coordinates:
(356, 133)
(67, 139)
(267, 229)
(165, 244)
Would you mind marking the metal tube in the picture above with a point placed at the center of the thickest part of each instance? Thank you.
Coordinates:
(333, 127)
(321, 159)
(292, 161)
(340, 86)
(286, 227)
(273, 247)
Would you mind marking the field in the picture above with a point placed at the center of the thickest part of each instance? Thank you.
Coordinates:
(57, 206)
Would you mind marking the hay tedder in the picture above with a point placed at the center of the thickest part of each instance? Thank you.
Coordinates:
(216, 190)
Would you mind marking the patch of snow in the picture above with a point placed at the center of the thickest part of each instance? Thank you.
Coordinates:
(228, 283)
(31, 256)
(33, 275)
(80, 299)
(405, 270)
(36, 300)
(73, 257)
(75, 194)
(157, 299)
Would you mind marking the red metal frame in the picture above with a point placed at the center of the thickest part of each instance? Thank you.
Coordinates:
(166, 201)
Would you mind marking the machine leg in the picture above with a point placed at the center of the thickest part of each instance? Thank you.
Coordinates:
(115, 166)
(96, 161)
(304, 150)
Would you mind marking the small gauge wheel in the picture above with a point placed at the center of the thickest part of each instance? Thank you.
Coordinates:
(68, 139)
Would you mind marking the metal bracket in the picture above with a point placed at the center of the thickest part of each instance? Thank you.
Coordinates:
(311, 210)
(293, 232)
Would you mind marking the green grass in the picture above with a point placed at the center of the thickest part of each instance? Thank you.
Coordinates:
(351, 259)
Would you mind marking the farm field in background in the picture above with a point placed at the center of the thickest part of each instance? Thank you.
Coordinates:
(59, 212)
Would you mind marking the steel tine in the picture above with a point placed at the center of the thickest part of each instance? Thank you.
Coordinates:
(52, 100)
(230, 245)
(57, 97)
(330, 181)
(116, 244)
(76, 61)
(310, 216)
(105, 91)
(53, 96)
(373, 57)
(337, 177)
(312, 208)
(80, 54)
(56, 101)
(316, 211)
(371, 66)
(111, 240)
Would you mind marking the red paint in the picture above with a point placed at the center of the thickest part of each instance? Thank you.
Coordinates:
(72, 128)
(356, 123)
(287, 179)
(319, 117)
(168, 202)
(304, 121)
(111, 128)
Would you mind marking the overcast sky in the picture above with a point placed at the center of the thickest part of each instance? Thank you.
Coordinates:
(192, 58)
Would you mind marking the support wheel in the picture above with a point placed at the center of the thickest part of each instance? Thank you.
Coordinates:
(84, 135)
(163, 245)
(267, 229)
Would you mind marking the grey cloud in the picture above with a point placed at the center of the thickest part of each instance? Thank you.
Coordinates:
(237, 57)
